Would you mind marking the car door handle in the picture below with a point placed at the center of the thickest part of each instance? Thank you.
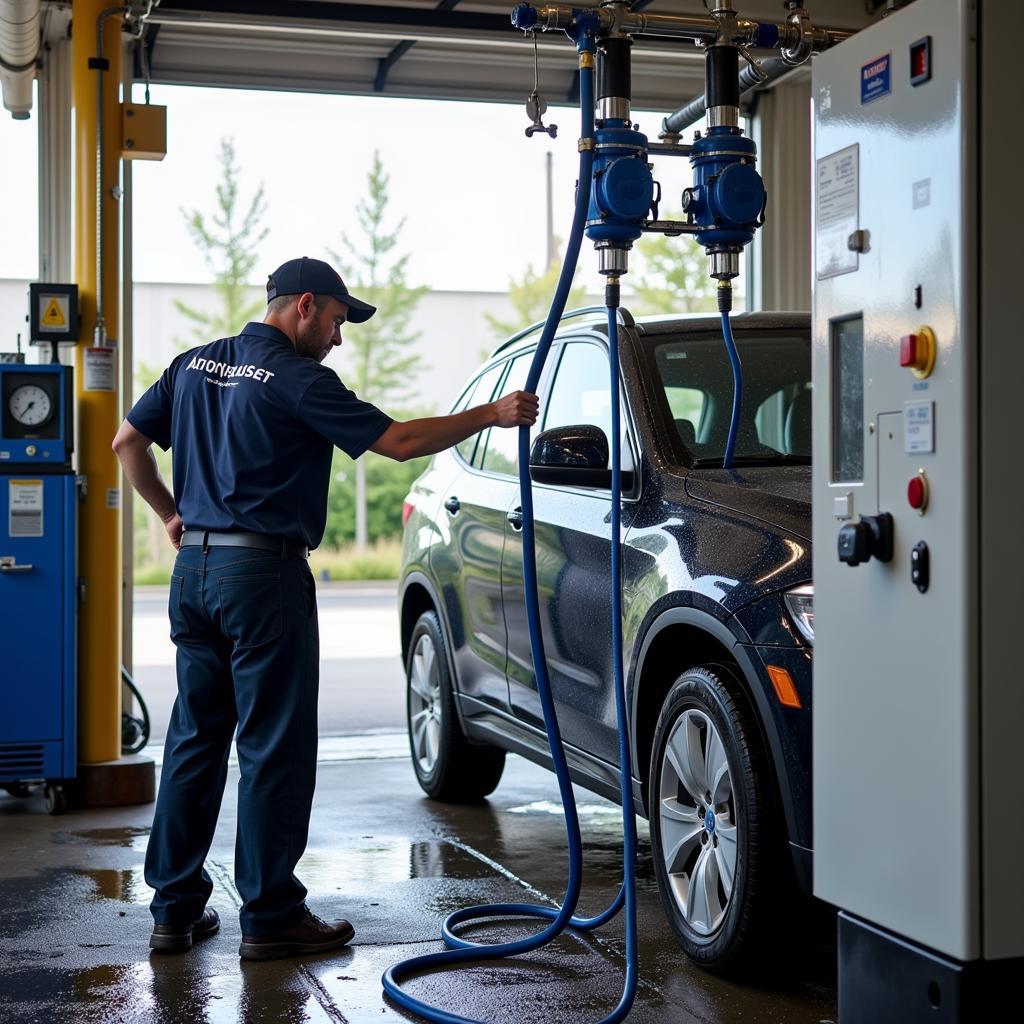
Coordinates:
(453, 504)
(515, 518)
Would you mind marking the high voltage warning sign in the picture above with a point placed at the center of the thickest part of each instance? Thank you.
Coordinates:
(53, 312)
(54, 317)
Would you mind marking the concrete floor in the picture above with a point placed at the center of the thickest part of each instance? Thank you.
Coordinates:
(74, 919)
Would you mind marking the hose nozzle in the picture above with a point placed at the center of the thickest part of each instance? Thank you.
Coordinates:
(724, 296)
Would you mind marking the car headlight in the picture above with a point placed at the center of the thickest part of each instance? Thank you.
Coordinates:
(800, 603)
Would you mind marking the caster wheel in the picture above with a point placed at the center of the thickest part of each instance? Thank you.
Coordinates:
(56, 799)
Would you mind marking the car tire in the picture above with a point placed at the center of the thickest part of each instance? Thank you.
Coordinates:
(448, 767)
(712, 841)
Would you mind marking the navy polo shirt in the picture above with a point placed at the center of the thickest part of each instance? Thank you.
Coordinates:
(253, 426)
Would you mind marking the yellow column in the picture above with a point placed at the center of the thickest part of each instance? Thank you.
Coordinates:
(99, 411)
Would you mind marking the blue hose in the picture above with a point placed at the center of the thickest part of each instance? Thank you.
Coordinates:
(737, 389)
(463, 950)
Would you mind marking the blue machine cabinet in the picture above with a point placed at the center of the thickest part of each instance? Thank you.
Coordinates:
(38, 573)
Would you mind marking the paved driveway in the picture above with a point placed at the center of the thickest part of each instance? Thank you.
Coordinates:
(362, 687)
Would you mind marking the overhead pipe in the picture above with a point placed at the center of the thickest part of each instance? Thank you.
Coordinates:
(750, 81)
(20, 23)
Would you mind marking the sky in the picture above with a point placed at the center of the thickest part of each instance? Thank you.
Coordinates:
(468, 183)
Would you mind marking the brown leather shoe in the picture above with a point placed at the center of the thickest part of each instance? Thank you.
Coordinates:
(178, 938)
(310, 935)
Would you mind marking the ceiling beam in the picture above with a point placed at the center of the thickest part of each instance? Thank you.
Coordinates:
(387, 63)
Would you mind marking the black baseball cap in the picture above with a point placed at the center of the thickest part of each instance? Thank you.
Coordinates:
(305, 275)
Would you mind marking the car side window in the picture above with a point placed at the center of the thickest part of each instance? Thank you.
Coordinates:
(581, 393)
(478, 393)
(502, 452)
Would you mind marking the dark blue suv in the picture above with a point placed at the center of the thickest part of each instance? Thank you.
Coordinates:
(717, 599)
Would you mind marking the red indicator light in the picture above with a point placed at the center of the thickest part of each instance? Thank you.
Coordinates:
(407, 510)
(917, 492)
(921, 61)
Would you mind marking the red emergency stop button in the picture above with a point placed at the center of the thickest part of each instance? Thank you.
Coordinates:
(917, 492)
(917, 351)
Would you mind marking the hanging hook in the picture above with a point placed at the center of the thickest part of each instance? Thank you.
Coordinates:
(536, 105)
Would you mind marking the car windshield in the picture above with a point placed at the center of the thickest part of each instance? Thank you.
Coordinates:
(693, 374)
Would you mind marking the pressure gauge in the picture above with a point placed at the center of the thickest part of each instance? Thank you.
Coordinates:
(30, 405)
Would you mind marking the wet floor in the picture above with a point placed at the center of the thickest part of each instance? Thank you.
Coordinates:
(74, 919)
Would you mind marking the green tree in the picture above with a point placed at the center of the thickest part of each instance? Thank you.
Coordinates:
(531, 299)
(671, 276)
(229, 243)
(379, 358)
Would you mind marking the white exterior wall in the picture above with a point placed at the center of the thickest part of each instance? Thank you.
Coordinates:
(454, 331)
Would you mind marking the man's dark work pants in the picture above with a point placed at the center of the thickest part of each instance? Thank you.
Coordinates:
(245, 625)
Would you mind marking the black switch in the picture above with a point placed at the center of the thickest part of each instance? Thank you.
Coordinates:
(870, 538)
(854, 543)
(919, 566)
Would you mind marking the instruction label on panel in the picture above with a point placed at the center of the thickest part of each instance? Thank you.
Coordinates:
(53, 313)
(919, 428)
(836, 189)
(25, 508)
(100, 369)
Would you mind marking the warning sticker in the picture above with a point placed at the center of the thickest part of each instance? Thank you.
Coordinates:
(876, 78)
(53, 313)
(113, 497)
(25, 508)
(836, 212)
(100, 369)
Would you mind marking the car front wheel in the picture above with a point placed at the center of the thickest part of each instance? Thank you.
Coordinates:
(448, 767)
(709, 816)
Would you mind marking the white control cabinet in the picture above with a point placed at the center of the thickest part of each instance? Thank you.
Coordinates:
(918, 569)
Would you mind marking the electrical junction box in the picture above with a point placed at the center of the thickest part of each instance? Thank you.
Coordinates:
(918, 565)
(52, 313)
(143, 131)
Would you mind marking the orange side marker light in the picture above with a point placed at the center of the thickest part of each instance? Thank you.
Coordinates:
(785, 688)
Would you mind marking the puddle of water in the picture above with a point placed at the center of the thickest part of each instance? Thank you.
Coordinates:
(132, 838)
(123, 886)
(382, 862)
(552, 807)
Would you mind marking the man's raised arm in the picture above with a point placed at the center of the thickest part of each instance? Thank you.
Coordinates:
(408, 440)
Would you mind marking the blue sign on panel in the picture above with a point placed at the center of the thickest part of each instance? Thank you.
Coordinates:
(875, 79)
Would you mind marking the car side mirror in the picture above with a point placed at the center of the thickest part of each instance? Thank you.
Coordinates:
(574, 456)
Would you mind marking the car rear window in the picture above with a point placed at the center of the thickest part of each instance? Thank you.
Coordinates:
(694, 377)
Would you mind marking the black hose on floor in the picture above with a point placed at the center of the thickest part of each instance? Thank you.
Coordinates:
(134, 730)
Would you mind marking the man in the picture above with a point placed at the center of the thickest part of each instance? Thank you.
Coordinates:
(253, 421)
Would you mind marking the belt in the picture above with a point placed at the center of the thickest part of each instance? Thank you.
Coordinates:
(264, 541)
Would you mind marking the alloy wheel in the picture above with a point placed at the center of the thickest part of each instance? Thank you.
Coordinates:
(425, 704)
(697, 818)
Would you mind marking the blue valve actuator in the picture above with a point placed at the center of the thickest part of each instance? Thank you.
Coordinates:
(727, 197)
(524, 17)
(623, 185)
